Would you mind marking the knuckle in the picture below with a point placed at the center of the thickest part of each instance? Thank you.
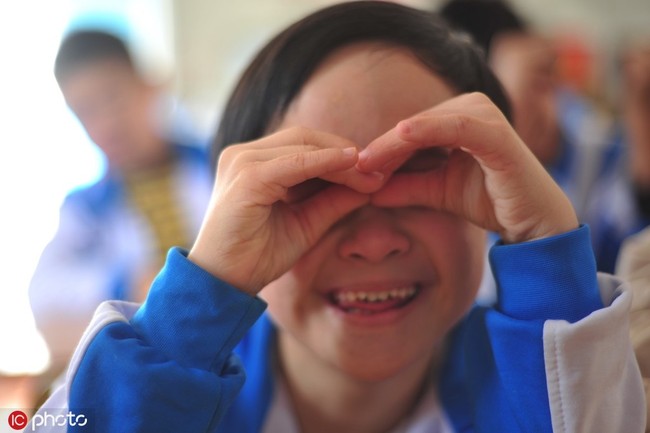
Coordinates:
(478, 98)
(300, 134)
(299, 161)
(248, 171)
(310, 138)
(461, 124)
(225, 159)
(235, 157)
(227, 155)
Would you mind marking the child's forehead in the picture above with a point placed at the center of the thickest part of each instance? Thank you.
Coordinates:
(362, 90)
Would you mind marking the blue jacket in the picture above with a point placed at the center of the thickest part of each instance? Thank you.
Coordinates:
(552, 355)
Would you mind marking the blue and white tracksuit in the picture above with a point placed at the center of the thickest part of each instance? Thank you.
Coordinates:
(552, 355)
(102, 242)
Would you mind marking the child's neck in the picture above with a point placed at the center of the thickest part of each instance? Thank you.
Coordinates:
(324, 399)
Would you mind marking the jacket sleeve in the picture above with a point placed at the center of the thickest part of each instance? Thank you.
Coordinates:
(553, 355)
(169, 366)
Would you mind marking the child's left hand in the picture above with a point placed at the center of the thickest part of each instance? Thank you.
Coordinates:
(490, 177)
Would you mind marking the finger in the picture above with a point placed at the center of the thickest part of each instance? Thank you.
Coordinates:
(286, 142)
(332, 165)
(318, 213)
(469, 122)
(480, 130)
(351, 178)
(432, 190)
(448, 186)
(275, 177)
(286, 147)
(356, 180)
(412, 189)
(348, 175)
(386, 153)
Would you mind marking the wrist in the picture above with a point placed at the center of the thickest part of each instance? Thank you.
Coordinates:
(209, 261)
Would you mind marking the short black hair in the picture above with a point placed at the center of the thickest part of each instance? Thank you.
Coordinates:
(82, 47)
(279, 71)
(483, 20)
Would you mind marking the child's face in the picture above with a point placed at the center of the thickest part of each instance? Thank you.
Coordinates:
(525, 64)
(115, 107)
(423, 266)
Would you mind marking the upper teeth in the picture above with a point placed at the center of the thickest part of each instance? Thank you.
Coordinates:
(401, 293)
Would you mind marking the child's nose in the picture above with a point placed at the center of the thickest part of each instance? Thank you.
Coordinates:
(373, 236)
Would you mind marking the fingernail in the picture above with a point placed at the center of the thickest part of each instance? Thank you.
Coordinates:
(349, 151)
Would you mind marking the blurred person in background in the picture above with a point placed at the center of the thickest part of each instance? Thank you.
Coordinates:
(633, 260)
(636, 109)
(569, 134)
(113, 235)
(623, 198)
(634, 265)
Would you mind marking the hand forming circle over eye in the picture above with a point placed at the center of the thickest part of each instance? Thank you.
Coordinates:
(491, 178)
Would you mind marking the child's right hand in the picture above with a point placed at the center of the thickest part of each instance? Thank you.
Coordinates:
(263, 214)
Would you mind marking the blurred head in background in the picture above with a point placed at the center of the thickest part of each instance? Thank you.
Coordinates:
(524, 62)
(113, 101)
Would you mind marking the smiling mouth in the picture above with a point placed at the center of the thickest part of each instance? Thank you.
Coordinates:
(365, 302)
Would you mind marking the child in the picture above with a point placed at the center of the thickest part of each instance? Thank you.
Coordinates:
(113, 235)
(355, 204)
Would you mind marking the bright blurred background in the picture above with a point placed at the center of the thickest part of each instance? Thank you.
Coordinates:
(45, 152)
(199, 46)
